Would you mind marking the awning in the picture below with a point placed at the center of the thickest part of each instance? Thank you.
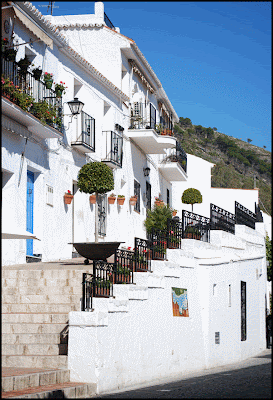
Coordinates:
(33, 28)
(18, 235)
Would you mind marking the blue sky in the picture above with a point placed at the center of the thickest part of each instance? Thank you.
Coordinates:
(212, 58)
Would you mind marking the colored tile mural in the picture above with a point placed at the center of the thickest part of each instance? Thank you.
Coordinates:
(180, 302)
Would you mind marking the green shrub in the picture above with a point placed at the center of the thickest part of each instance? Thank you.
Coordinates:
(191, 196)
(157, 218)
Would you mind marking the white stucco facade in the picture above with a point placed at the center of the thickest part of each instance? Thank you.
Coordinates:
(134, 338)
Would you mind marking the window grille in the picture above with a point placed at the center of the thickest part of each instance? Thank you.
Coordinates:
(137, 193)
(49, 195)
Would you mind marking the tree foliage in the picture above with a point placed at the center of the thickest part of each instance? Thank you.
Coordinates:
(191, 196)
(157, 218)
(268, 246)
(95, 177)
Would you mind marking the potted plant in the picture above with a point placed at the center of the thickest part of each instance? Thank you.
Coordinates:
(133, 200)
(23, 65)
(158, 201)
(60, 89)
(121, 199)
(159, 128)
(92, 199)
(111, 198)
(5, 43)
(95, 177)
(174, 213)
(191, 196)
(37, 73)
(157, 218)
(9, 54)
(192, 232)
(48, 80)
(68, 197)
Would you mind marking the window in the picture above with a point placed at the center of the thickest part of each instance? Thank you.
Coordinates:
(102, 214)
(49, 195)
(168, 196)
(137, 193)
(243, 311)
(148, 195)
(214, 289)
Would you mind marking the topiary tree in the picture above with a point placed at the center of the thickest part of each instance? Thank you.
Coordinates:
(95, 177)
(157, 218)
(191, 196)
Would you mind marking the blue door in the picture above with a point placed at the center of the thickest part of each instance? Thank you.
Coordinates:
(30, 195)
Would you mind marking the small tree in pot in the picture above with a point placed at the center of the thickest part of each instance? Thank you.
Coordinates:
(95, 177)
(191, 196)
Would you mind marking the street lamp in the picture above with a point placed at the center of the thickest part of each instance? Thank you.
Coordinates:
(75, 106)
(146, 171)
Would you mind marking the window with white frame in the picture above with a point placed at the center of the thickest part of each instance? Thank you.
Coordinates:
(49, 195)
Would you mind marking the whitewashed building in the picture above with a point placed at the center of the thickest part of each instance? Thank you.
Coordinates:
(126, 122)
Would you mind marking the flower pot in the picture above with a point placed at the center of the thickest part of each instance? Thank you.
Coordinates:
(10, 54)
(58, 92)
(92, 199)
(48, 84)
(37, 75)
(68, 198)
(111, 200)
(174, 213)
(158, 202)
(121, 200)
(133, 201)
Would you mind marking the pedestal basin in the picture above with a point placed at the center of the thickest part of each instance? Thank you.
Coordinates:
(96, 251)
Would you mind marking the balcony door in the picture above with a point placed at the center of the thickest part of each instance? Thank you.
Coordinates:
(29, 210)
(102, 204)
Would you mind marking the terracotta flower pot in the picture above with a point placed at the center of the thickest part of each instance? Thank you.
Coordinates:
(133, 201)
(68, 198)
(158, 202)
(174, 213)
(121, 200)
(92, 199)
(111, 200)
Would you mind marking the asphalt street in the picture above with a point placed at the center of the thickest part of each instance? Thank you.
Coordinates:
(250, 378)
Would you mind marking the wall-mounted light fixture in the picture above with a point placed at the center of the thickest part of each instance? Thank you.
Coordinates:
(75, 106)
(146, 171)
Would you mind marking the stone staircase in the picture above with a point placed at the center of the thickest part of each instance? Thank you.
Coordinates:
(43, 384)
(35, 307)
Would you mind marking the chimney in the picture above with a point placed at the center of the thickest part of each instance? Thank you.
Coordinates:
(99, 9)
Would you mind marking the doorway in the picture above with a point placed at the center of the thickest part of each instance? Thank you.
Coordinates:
(29, 210)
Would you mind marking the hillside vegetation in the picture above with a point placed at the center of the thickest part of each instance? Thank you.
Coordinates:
(238, 164)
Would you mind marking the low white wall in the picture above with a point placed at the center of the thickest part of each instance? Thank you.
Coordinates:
(134, 338)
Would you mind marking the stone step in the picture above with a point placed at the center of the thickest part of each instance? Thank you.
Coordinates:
(33, 328)
(34, 349)
(24, 378)
(70, 390)
(38, 308)
(37, 275)
(42, 299)
(42, 290)
(36, 318)
(31, 338)
(34, 361)
(48, 282)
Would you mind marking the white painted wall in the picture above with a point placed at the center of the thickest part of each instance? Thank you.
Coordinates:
(134, 338)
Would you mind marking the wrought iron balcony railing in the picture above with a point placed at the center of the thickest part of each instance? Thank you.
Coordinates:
(44, 104)
(143, 116)
(114, 149)
(86, 139)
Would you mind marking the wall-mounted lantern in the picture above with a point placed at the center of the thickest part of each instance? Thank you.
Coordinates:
(146, 171)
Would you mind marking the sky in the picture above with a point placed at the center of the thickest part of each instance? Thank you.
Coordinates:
(212, 58)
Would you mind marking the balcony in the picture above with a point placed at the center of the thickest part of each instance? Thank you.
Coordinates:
(145, 133)
(113, 149)
(28, 101)
(174, 166)
(85, 143)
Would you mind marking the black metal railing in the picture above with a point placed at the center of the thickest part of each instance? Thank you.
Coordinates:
(26, 83)
(177, 154)
(87, 136)
(195, 226)
(142, 255)
(221, 219)
(174, 234)
(124, 266)
(143, 116)
(114, 148)
(87, 292)
(243, 216)
(158, 244)
(108, 22)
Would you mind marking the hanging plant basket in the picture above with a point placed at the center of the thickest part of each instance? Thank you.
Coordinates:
(68, 198)
(92, 199)
(58, 92)
(111, 199)
(37, 73)
(10, 54)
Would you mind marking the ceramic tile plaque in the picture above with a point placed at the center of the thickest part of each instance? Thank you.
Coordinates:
(180, 302)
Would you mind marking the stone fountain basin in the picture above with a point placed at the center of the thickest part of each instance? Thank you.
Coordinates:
(96, 251)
